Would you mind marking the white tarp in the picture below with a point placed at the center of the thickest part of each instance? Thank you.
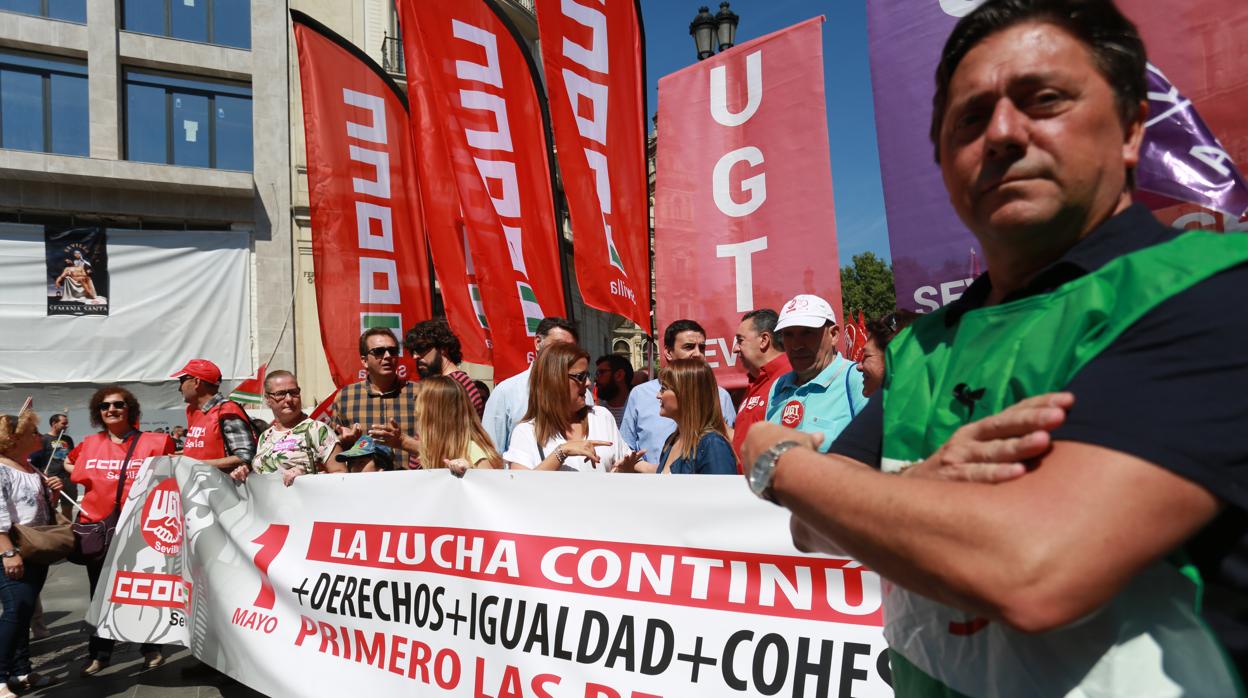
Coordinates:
(497, 584)
(174, 295)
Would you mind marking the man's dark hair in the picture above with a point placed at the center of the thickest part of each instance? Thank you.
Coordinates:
(433, 334)
(669, 334)
(374, 332)
(56, 418)
(884, 329)
(618, 363)
(1113, 40)
(549, 323)
(764, 320)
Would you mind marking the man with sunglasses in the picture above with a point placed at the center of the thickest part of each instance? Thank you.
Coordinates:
(383, 405)
(437, 352)
(218, 430)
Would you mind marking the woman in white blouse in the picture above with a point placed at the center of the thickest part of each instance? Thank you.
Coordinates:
(560, 431)
(24, 499)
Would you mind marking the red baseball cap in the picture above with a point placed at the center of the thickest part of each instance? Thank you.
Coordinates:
(202, 369)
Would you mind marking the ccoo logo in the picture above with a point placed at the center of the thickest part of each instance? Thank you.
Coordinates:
(162, 518)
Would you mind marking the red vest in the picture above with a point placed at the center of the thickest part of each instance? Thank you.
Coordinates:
(97, 467)
(754, 406)
(204, 440)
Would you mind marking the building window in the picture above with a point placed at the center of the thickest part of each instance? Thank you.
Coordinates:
(68, 10)
(224, 22)
(187, 121)
(43, 104)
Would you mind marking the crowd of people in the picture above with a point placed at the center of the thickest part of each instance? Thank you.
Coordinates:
(953, 458)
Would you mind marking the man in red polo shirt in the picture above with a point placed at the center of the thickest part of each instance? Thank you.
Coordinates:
(762, 356)
(218, 431)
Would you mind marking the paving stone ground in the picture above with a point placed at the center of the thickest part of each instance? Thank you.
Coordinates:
(63, 654)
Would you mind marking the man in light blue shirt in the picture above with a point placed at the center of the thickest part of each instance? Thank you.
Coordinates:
(642, 426)
(510, 399)
(823, 392)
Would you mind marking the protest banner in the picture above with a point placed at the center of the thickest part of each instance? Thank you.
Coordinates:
(743, 211)
(496, 584)
(594, 69)
(368, 239)
(479, 126)
(77, 264)
(934, 256)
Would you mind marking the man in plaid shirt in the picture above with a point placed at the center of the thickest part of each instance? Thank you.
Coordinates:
(382, 405)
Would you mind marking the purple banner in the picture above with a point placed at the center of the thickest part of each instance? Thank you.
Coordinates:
(934, 256)
(1182, 159)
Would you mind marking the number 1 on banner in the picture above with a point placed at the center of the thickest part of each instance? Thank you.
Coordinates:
(270, 542)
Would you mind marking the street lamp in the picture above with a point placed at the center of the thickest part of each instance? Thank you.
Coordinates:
(702, 29)
(726, 21)
(708, 30)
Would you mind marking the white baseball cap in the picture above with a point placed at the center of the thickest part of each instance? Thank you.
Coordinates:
(805, 310)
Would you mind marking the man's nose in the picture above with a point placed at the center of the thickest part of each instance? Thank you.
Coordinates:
(1006, 134)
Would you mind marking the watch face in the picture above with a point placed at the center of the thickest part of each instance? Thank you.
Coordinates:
(758, 474)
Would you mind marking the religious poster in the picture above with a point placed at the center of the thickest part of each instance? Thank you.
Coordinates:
(77, 261)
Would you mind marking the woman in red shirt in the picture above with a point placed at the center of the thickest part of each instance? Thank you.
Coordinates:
(96, 465)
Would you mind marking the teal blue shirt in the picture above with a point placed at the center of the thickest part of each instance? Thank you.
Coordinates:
(829, 400)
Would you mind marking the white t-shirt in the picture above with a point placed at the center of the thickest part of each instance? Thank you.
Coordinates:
(602, 427)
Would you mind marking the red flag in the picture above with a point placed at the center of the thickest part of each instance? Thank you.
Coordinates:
(739, 130)
(478, 125)
(593, 57)
(368, 241)
(324, 411)
(251, 390)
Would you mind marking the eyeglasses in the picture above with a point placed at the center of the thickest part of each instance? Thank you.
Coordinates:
(422, 350)
(378, 352)
(115, 404)
(581, 377)
(283, 394)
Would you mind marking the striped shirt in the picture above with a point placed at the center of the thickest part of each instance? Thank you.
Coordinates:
(357, 403)
(473, 394)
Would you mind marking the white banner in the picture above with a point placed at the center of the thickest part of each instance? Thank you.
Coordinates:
(174, 295)
(497, 584)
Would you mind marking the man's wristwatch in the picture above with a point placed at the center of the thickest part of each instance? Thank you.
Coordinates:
(764, 469)
(11, 552)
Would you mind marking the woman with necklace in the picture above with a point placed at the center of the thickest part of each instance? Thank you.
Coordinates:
(96, 464)
(25, 498)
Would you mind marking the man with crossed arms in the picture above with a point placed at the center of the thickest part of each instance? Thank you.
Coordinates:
(1069, 579)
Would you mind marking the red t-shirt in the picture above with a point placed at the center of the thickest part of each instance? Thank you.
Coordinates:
(97, 467)
(754, 405)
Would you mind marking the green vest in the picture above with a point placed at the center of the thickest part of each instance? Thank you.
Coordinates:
(1149, 639)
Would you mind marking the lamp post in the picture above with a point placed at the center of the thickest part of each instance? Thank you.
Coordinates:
(708, 30)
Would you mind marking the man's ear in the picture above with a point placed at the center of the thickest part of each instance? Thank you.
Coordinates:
(1134, 138)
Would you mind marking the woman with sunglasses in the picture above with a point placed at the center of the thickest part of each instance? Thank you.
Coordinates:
(560, 431)
(25, 498)
(689, 395)
(451, 435)
(95, 464)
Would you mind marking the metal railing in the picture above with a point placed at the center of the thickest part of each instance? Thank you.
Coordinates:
(392, 55)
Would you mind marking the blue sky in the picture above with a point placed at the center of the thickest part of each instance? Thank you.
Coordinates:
(860, 220)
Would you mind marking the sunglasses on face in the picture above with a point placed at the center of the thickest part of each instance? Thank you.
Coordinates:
(115, 404)
(581, 377)
(283, 394)
(378, 352)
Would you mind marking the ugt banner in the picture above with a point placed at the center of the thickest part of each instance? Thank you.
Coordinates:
(368, 240)
(743, 210)
(1196, 65)
(593, 55)
(77, 263)
(497, 584)
(480, 130)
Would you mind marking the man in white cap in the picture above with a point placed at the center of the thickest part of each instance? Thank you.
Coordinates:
(823, 393)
